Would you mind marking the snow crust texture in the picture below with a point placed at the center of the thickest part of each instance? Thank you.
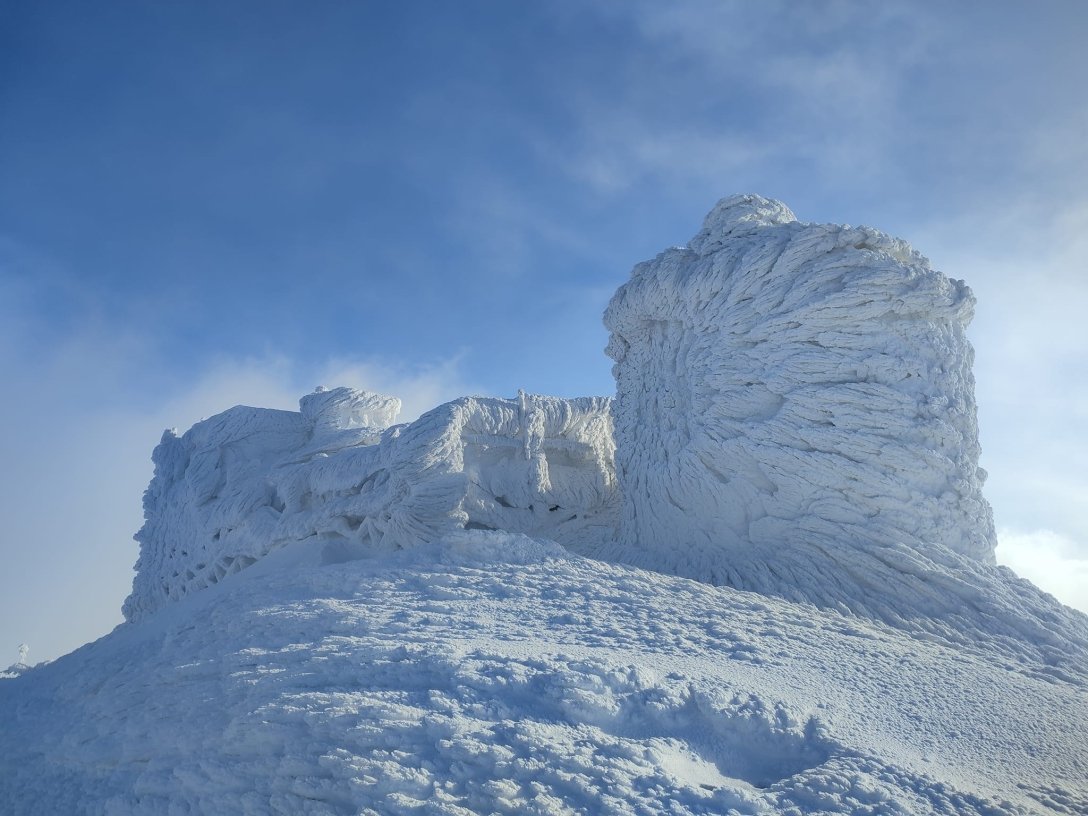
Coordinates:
(492, 673)
(338, 475)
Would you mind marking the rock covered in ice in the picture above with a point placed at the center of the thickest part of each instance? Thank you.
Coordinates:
(795, 410)
(248, 481)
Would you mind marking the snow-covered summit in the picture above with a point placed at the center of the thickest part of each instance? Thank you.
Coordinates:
(336, 614)
(490, 673)
(794, 416)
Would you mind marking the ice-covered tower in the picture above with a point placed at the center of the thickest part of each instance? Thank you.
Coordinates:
(789, 396)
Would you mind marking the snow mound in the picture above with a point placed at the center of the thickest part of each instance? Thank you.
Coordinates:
(249, 481)
(490, 673)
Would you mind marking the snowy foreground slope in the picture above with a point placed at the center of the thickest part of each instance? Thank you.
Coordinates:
(761, 580)
(496, 673)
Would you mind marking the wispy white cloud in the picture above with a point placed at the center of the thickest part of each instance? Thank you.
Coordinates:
(1024, 257)
(504, 227)
(725, 90)
(1049, 560)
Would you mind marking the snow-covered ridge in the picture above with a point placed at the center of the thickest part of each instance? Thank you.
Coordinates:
(489, 673)
(248, 481)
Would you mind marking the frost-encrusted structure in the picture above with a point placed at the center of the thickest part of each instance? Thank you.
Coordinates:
(248, 481)
(778, 380)
(794, 401)
(794, 416)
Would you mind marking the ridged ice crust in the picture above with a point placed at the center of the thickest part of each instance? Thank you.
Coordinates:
(789, 394)
(250, 481)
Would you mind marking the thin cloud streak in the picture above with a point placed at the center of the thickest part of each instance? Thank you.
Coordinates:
(1049, 560)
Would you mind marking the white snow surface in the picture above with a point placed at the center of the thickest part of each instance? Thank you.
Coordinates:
(493, 673)
(760, 580)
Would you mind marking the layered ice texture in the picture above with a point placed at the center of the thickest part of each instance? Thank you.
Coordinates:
(340, 476)
(795, 416)
(781, 383)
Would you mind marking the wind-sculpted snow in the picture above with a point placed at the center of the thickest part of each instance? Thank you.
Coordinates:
(795, 415)
(492, 673)
(248, 481)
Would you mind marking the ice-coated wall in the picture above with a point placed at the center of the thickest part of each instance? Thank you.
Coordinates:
(248, 481)
(790, 393)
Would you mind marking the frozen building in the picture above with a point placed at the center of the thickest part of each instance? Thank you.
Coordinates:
(339, 475)
(794, 416)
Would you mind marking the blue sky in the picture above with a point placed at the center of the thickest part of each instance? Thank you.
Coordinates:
(205, 204)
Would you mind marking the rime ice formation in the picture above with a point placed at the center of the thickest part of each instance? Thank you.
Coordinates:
(795, 408)
(794, 416)
(246, 482)
(778, 381)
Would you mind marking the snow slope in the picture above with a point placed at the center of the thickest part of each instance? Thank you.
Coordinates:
(770, 590)
(492, 673)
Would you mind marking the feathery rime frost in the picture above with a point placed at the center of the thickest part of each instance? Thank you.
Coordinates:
(341, 477)
(795, 416)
